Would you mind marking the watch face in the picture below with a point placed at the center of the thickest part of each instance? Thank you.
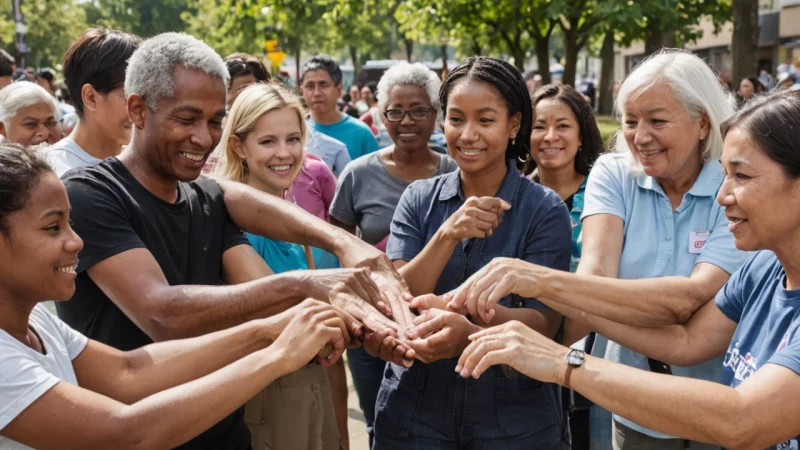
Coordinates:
(575, 358)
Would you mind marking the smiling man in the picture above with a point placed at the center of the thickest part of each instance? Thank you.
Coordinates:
(159, 242)
(322, 86)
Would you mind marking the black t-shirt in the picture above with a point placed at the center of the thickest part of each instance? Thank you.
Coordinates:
(113, 213)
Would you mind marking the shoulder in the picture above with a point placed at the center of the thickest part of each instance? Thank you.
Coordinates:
(616, 163)
(323, 139)
(448, 164)
(533, 194)
(761, 265)
(363, 164)
(92, 180)
(355, 124)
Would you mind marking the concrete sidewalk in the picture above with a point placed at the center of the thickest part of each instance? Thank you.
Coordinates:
(359, 439)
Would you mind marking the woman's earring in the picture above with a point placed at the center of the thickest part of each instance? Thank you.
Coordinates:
(514, 141)
(580, 147)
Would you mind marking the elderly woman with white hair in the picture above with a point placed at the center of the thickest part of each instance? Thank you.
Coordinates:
(656, 245)
(28, 114)
(370, 187)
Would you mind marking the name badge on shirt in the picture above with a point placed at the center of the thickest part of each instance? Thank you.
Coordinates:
(697, 239)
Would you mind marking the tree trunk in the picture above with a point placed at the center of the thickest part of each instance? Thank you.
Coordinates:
(655, 37)
(354, 58)
(443, 53)
(570, 57)
(606, 103)
(409, 48)
(296, 65)
(745, 39)
(543, 58)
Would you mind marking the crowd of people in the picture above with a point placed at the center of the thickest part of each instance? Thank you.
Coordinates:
(215, 244)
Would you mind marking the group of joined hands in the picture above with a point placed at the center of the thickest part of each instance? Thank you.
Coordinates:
(370, 305)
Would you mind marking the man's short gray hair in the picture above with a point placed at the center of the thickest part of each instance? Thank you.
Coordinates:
(409, 74)
(23, 94)
(151, 67)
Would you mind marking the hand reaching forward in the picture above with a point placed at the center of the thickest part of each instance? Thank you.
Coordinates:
(439, 334)
(478, 217)
(313, 327)
(518, 346)
(496, 280)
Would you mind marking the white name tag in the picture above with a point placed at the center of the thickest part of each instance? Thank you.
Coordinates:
(697, 239)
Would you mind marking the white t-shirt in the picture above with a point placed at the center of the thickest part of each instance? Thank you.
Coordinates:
(66, 154)
(26, 375)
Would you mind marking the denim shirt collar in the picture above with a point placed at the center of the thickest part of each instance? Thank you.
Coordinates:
(451, 187)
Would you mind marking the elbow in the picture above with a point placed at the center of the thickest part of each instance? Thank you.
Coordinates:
(161, 323)
(684, 308)
(739, 436)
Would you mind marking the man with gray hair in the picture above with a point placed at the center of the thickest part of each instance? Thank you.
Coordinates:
(162, 249)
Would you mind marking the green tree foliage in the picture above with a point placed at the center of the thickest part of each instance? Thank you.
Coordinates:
(52, 26)
(142, 17)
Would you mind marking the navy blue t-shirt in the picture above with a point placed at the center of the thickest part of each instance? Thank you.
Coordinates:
(768, 318)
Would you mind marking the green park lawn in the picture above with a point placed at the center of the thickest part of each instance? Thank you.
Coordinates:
(608, 126)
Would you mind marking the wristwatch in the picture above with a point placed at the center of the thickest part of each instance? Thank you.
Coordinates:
(575, 359)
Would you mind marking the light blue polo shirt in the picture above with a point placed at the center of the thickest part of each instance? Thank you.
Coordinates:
(660, 242)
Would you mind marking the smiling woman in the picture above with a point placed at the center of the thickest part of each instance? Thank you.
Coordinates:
(28, 114)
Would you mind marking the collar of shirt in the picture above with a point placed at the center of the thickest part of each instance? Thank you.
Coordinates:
(451, 186)
(706, 185)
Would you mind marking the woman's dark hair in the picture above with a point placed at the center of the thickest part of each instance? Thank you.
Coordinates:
(591, 146)
(99, 58)
(509, 83)
(757, 86)
(772, 123)
(20, 171)
(241, 64)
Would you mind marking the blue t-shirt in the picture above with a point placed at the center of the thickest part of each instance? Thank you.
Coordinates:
(354, 133)
(660, 241)
(768, 318)
(280, 256)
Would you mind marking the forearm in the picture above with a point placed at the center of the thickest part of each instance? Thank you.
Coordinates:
(262, 214)
(651, 302)
(669, 344)
(423, 272)
(692, 409)
(544, 323)
(163, 365)
(174, 416)
(187, 311)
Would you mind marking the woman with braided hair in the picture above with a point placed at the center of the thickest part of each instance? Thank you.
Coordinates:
(444, 229)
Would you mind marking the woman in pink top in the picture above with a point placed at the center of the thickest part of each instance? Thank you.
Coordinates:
(314, 187)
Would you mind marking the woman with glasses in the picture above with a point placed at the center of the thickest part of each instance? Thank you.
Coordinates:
(370, 187)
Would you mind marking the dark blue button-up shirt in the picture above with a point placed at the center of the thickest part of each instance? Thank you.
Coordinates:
(432, 401)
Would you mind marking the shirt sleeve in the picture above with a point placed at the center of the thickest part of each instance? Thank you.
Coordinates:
(74, 341)
(549, 244)
(789, 356)
(343, 206)
(24, 380)
(719, 248)
(405, 238)
(731, 298)
(100, 219)
(342, 158)
(604, 189)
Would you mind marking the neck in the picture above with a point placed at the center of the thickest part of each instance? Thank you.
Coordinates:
(678, 187)
(263, 187)
(485, 183)
(412, 158)
(788, 253)
(564, 180)
(133, 160)
(14, 317)
(94, 142)
(327, 118)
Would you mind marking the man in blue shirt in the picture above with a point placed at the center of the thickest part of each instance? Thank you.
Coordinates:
(322, 86)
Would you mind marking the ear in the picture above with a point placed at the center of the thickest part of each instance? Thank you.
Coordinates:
(339, 90)
(238, 146)
(705, 127)
(89, 97)
(515, 122)
(137, 110)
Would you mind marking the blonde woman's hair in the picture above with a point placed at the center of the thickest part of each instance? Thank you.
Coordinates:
(693, 84)
(252, 103)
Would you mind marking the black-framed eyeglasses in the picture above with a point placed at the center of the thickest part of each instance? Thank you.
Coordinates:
(397, 115)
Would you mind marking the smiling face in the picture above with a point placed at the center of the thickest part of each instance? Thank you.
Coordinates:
(273, 151)
(186, 128)
(478, 127)
(409, 134)
(39, 254)
(556, 135)
(760, 200)
(320, 92)
(32, 125)
(662, 135)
